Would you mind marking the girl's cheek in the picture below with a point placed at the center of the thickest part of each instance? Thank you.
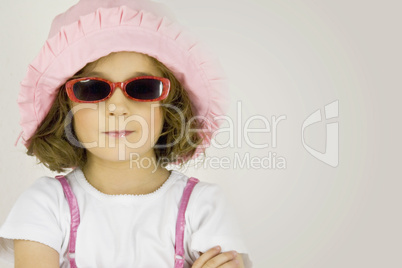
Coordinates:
(86, 118)
(85, 124)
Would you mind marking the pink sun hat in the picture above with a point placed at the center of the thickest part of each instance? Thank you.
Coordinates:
(92, 29)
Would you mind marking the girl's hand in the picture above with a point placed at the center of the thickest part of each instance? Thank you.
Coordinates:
(214, 259)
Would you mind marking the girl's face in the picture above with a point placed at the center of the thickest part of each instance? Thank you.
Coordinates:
(141, 121)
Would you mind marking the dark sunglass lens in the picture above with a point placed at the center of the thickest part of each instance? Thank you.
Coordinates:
(145, 89)
(91, 90)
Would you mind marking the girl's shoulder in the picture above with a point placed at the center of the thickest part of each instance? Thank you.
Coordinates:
(37, 215)
(204, 188)
(204, 194)
(44, 185)
(44, 196)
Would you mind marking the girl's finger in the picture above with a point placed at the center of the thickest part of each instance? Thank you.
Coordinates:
(223, 260)
(231, 264)
(200, 262)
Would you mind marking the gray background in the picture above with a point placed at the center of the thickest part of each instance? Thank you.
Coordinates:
(282, 58)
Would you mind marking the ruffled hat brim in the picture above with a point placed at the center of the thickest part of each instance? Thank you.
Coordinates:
(114, 29)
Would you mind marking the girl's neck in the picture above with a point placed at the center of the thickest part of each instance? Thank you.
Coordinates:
(116, 178)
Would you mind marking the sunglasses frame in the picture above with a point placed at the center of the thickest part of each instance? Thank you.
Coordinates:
(113, 85)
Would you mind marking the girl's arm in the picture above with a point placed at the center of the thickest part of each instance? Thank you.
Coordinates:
(214, 259)
(34, 255)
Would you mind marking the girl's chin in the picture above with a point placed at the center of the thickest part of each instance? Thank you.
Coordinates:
(120, 154)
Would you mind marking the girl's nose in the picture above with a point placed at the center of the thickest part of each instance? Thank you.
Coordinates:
(118, 103)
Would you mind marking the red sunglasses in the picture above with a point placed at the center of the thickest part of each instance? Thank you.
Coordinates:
(96, 89)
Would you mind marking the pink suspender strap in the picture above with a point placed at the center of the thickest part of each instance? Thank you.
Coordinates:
(181, 223)
(75, 218)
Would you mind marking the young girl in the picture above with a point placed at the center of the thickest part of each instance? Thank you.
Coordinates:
(118, 92)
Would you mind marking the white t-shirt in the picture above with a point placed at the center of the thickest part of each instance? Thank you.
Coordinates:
(123, 230)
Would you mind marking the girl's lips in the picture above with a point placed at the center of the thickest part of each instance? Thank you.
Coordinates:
(118, 134)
